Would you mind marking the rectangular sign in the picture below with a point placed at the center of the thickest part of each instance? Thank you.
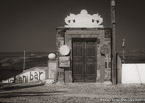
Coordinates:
(64, 61)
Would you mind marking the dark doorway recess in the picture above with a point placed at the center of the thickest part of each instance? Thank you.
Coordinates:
(84, 59)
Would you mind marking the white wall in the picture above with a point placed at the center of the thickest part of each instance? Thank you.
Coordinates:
(28, 76)
(133, 73)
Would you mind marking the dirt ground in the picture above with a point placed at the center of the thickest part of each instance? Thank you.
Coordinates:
(76, 93)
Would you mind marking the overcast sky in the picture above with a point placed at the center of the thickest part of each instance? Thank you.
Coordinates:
(31, 24)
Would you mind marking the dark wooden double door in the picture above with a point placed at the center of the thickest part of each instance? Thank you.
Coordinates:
(84, 60)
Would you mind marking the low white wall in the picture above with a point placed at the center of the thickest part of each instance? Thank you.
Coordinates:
(133, 73)
(28, 76)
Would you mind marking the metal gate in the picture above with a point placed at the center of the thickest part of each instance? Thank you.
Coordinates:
(84, 60)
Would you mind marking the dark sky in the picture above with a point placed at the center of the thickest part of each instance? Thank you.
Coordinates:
(31, 24)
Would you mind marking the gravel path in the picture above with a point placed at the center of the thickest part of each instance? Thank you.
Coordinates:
(76, 93)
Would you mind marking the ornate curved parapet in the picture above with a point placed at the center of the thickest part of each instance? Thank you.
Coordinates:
(84, 20)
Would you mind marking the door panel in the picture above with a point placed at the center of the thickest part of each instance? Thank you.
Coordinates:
(84, 60)
(78, 62)
(90, 61)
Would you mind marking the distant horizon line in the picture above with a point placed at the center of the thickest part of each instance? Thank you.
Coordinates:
(27, 51)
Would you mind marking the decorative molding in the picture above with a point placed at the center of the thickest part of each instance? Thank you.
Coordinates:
(84, 20)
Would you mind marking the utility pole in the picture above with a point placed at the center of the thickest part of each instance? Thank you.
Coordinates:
(113, 25)
(123, 50)
(24, 60)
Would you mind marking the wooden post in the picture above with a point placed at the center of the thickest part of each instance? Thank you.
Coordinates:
(114, 68)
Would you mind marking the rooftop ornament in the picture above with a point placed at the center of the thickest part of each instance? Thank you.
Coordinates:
(84, 20)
